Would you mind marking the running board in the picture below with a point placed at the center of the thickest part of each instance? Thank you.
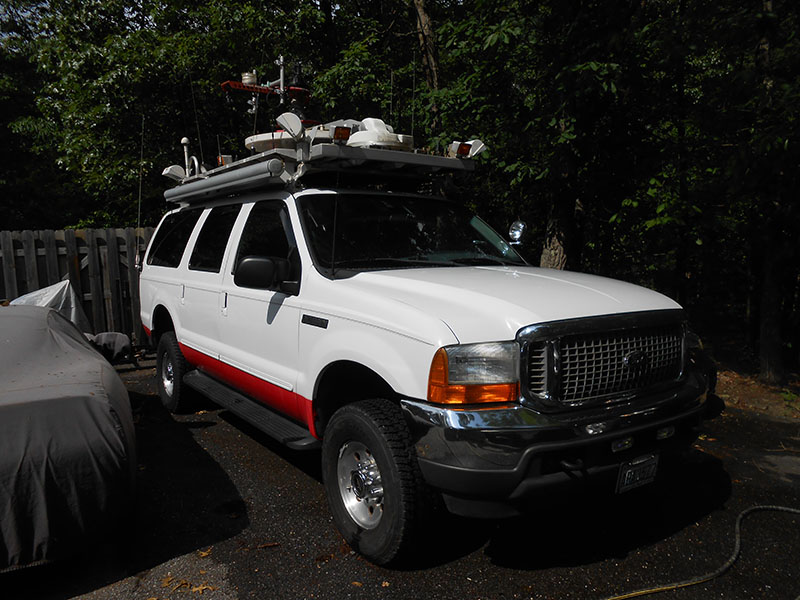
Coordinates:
(265, 419)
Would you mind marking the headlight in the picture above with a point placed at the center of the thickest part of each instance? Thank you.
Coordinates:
(475, 373)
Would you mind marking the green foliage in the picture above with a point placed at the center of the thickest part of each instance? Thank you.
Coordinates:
(660, 140)
(356, 76)
(103, 66)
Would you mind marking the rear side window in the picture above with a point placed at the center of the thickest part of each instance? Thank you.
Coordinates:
(213, 238)
(170, 241)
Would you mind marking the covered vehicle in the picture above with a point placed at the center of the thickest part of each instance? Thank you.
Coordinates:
(67, 445)
(114, 346)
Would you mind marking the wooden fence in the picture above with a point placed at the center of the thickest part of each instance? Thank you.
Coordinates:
(99, 263)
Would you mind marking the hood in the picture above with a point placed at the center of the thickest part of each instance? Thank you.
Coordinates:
(493, 303)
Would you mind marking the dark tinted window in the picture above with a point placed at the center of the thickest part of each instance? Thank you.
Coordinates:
(355, 232)
(267, 232)
(209, 249)
(170, 242)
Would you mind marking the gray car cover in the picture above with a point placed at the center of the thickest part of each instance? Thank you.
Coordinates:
(63, 298)
(67, 448)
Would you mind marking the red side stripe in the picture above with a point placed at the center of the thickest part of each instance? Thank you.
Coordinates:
(288, 403)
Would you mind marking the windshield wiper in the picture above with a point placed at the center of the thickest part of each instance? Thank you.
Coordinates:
(382, 262)
(479, 260)
(390, 260)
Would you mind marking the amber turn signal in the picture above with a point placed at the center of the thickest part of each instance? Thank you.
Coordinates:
(441, 391)
(341, 134)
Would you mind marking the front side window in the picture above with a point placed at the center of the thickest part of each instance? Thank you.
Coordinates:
(170, 241)
(209, 249)
(348, 233)
(265, 233)
(268, 233)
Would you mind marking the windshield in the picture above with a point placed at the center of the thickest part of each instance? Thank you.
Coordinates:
(395, 232)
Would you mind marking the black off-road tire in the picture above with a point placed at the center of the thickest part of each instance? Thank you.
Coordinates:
(171, 366)
(365, 437)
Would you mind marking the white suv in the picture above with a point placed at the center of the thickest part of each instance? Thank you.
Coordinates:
(300, 289)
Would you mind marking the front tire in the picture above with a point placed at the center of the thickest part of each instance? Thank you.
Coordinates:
(170, 368)
(371, 479)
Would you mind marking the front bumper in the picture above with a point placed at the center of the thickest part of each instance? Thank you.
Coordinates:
(479, 458)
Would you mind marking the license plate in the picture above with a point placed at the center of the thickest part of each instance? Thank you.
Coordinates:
(637, 472)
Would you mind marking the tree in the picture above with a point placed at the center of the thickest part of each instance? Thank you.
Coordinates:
(653, 141)
(104, 66)
(34, 189)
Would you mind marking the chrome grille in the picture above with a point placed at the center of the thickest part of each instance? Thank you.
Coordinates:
(598, 365)
(595, 365)
(537, 367)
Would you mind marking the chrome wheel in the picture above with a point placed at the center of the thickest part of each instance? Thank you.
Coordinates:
(167, 375)
(360, 484)
(170, 369)
(371, 480)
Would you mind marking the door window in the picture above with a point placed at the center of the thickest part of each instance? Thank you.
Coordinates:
(268, 233)
(209, 249)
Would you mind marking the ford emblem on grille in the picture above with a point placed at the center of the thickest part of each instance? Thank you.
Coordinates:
(636, 360)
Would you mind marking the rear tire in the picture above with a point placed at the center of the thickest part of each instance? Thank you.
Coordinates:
(171, 366)
(371, 479)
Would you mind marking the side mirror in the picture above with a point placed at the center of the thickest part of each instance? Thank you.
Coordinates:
(261, 272)
(516, 231)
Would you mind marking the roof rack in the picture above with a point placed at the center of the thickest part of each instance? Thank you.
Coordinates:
(286, 155)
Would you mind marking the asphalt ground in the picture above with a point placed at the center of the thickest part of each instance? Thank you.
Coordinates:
(223, 512)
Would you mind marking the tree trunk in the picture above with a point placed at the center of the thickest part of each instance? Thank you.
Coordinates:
(770, 353)
(554, 254)
(561, 244)
(562, 238)
(770, 342)
(430, 55)
(331, 51)
(427, 44)
(682, 259)
(763, 60)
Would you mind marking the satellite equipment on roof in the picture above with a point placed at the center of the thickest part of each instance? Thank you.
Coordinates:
(175, 172)
(374, 133)
(292, 125)
(295, 96)
(300, 147)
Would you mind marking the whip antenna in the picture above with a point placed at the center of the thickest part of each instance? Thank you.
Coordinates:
(139, 204)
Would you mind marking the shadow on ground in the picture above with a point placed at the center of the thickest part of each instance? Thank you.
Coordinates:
(185, 502)
(588, 524)
(307, 461)
(576, 527)
(587, 528)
